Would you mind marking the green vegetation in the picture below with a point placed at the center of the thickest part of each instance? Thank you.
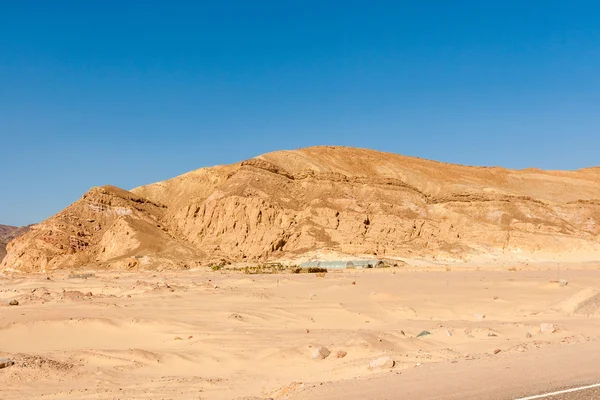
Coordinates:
(272, 268)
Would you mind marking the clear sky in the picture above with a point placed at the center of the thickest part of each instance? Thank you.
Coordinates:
(131, 92)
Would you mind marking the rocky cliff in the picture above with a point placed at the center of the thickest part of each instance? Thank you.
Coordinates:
(350, 201)
(8, 233)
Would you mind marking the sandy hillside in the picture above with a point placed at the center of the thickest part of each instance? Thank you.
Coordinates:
(288, 204)
(205, 334)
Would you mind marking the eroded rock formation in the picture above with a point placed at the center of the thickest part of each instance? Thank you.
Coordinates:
(346, 200)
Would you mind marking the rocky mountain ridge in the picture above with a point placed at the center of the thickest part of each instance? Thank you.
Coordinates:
(347, 201)
(8, 233)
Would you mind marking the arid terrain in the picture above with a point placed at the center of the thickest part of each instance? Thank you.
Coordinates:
(205, 334)
(145, 294)
(8, 233)
(336, 201)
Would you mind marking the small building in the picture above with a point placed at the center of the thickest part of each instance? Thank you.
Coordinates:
(324, 264)
(366, 264)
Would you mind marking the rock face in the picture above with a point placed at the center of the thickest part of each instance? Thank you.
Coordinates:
(108, 226)
(358, 202)
(8, 233)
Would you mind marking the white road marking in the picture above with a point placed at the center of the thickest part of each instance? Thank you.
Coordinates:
(541, 396)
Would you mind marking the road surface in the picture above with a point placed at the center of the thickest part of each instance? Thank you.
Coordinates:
(500, 377)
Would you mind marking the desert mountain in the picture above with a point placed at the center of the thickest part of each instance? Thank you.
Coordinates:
(289, 204)
(8, 233)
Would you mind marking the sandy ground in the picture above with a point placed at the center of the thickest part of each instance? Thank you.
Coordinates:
(543, 370)
(225, 335)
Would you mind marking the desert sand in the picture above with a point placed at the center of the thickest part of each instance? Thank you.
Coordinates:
(203, 334)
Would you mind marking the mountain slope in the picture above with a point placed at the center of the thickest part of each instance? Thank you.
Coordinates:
(7, 233)
(288, 204)
(108, 226)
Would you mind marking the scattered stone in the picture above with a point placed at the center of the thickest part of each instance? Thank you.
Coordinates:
(13, 303)
(528, 335)
(382, 363)
(562, 282)
(479, 317)
(448, 333)
(495, 297)
(82, 276)
(321, 353)
(470, 336)
(547, 328)
(89, 294)
(492, 334)
(403, 334)
(424, 333)
(5, 362)
(497, 351)
(341, 354)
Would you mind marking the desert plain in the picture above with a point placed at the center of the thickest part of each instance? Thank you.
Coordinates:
(204, 334)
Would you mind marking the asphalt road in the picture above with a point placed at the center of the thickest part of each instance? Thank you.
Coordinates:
(584, 394)
(590, 394)
(501, 377)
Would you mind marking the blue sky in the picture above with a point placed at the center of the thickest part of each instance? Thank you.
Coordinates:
(128, 93)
